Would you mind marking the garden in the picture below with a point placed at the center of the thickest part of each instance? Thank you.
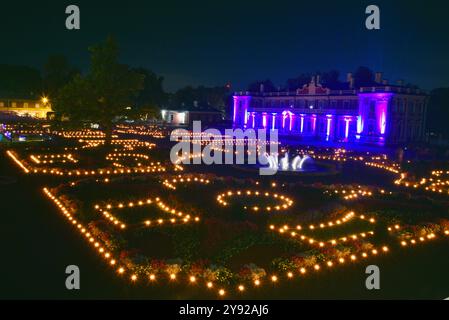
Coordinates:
(153, 222)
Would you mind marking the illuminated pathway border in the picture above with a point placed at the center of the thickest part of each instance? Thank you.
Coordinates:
(296, 233)
(83, 172)
(221, 291)
(286, 202)
(181, 216)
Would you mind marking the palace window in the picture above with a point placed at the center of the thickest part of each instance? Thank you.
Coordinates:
(394, 106)
(400, 106)
(333, 104)
(339, 104)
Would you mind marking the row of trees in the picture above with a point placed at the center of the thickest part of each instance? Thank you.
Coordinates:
(69, 88)
(20, 81)
(110, 89)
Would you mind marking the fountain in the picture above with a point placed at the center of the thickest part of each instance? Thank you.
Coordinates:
(284, 164)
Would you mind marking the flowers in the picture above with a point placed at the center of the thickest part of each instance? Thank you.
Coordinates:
(252, 272)
(172, 269)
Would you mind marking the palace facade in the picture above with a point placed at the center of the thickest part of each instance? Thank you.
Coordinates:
(379, 114)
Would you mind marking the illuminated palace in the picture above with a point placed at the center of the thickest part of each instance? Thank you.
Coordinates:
(380, 114)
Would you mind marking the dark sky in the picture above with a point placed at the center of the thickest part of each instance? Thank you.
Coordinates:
(212, 42)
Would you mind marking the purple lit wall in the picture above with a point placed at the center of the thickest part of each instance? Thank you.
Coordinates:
(347, 120)
(287, 114)
(302, 123)
(373, 107)
(234, 115)
(328, 125)
(369, 123)
(359, 124)
(241, 106)
(381, 115)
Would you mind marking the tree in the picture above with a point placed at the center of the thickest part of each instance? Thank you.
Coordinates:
(20, 81)
(268, 86)
(438, 102)
(215, 97)
(330, 79)
(76, 101)
(151, 98)
(363, 76)
(57, 73)
(298, 82)
(104, 93)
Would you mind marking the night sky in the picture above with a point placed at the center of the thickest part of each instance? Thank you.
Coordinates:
(212, 42)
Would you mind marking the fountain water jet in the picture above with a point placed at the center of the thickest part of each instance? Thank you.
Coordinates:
(284, 164)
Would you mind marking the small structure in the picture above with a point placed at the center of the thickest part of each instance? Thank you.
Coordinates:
(32, 108)
(184, 116)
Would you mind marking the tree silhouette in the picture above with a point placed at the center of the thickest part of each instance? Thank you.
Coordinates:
(104, 93)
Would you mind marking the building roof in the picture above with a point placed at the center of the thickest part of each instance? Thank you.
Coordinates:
(315, 87)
